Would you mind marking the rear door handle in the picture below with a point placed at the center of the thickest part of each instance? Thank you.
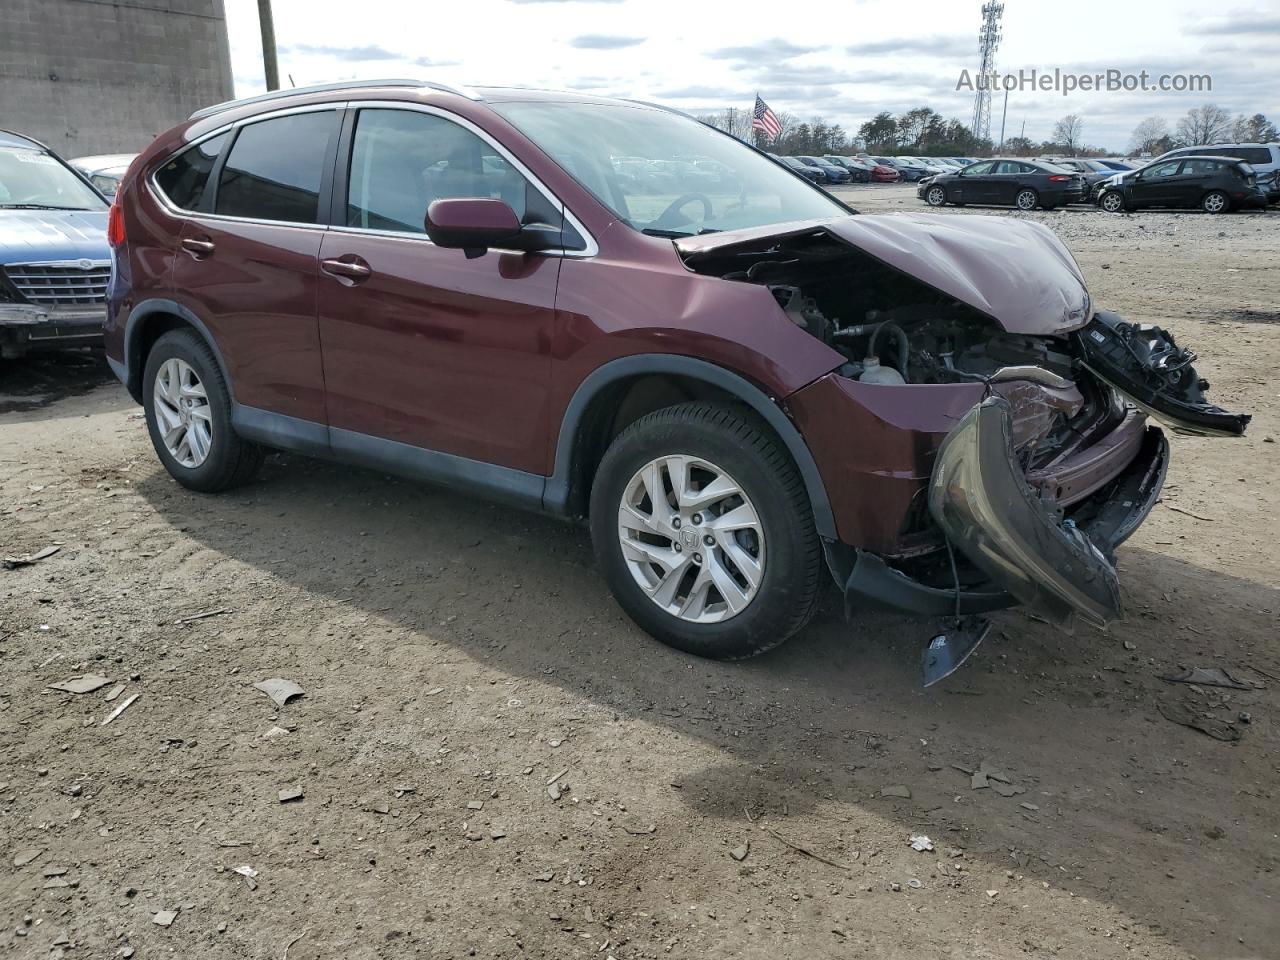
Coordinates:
(197, 248)
(347, 271)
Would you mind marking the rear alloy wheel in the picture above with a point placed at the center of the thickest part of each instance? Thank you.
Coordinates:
(1215, 201)
(182, 413)
(704, 531)
(1112, 202)
(188, 411)
(1026, 199)
(936, 197)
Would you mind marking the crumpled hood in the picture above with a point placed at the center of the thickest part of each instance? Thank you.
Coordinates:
(32, 236)
(1016, 271)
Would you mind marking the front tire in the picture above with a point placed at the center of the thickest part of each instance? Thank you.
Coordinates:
(188, 411)
(936, 197)
(1112, 202)
(1026, 199)
(704, 532)
(1215, 201)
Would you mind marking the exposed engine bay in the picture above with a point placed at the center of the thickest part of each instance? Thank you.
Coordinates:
(894, 329)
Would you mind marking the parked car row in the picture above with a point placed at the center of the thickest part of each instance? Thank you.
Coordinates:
(1214, 182)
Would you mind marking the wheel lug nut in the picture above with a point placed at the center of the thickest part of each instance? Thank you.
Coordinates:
(697, 518)
(697, 558)
(679, 548)
(709, 540)
(676, 523)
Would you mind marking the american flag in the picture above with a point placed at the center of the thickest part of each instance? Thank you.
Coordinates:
(765, 120)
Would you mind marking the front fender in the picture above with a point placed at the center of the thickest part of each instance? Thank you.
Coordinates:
(556, 494)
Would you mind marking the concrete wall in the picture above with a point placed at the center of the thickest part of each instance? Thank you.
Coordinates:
(106, 76)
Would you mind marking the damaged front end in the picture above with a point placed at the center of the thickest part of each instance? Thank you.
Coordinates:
(985, 440)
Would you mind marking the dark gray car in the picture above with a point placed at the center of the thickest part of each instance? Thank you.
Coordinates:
(1025, 184)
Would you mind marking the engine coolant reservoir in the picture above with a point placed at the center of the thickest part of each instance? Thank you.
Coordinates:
(873, 372)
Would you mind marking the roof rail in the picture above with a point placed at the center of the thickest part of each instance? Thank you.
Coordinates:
(340, 85)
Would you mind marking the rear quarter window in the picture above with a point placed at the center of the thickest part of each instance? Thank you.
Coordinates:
(183, 178)
(1253, 155)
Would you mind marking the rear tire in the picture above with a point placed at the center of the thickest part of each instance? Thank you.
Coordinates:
(200, 403)
(1026, 199)
(698, 447)
(1215, 201)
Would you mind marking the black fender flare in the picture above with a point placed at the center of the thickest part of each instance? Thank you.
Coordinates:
(555, 496)
(132, 348)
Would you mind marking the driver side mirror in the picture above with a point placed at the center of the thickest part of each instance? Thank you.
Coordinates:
(474, 224)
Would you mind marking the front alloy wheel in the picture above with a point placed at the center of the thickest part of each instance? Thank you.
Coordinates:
(183, 413)
(691, 538)
(1112, 202)
(935, 196)
(704, 532)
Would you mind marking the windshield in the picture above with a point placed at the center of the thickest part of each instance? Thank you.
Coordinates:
(31, 179)
(666, 174)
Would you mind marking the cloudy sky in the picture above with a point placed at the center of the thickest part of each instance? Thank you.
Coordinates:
(843, 59)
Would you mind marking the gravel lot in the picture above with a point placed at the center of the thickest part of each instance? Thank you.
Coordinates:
(493, 762)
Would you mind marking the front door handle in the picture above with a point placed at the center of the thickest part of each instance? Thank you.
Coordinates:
(349, 271)
(197, 248)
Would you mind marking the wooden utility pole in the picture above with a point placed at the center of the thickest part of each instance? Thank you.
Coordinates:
(269, 66)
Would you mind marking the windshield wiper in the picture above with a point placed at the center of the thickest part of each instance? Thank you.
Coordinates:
(676, 234)
(37, 206)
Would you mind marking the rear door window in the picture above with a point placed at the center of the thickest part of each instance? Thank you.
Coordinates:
(276, 167)
(402, 160)
(1201, 166)
(184, 178)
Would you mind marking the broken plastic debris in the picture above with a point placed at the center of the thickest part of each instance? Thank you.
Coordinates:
(164, 918)
(1182, 713)
(921, 843)
(248, 873)
(121, 708)
(86, 683)
(279, 690)
(13, 563)
(289, 794)
(1207, 677)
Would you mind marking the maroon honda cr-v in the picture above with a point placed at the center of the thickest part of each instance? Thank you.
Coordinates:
(605, 309)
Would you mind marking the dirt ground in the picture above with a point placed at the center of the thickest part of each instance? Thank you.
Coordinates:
(459, 657)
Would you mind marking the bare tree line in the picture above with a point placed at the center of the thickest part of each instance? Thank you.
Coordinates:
(923, 131)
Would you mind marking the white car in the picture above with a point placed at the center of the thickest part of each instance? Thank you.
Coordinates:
(104, 171)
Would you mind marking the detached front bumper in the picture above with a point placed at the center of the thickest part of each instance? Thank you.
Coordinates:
(1027, 551)
(25, 327)
(980, 497)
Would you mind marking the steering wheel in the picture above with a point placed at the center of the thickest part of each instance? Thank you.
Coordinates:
(668, 215)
